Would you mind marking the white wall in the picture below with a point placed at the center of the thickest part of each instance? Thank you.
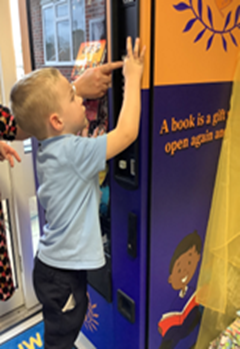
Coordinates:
(7, 49)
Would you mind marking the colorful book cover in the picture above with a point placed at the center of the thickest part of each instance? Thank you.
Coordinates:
(90, 54)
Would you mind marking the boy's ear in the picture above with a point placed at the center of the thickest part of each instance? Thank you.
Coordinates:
(170, 279)
(56, 122)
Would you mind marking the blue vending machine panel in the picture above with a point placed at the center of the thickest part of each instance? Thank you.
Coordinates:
(194, 65)
(189, 123)
(130, 272)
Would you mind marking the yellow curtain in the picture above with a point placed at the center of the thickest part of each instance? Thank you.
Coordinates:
(219, 281)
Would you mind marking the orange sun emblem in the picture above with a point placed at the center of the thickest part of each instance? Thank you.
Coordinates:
(91, 317)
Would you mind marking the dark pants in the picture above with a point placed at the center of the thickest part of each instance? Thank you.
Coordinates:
(53, 287)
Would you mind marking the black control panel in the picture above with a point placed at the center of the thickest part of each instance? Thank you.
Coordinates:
(126, 306)
(125, 22)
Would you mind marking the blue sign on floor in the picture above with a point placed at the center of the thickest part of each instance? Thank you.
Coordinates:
(29, 339)
(32, 338)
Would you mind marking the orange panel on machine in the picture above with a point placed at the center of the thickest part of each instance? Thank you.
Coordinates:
(196, 41)
(145, 36)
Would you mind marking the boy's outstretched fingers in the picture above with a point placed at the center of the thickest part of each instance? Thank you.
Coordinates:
(136, 48)
(135, 52)
(129, 47)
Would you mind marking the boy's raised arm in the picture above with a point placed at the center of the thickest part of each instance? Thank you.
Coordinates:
(127, 128)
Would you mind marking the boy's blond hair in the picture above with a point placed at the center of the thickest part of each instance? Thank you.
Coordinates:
(34, 98)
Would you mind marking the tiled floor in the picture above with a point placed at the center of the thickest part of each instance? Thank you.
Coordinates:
(81, 343)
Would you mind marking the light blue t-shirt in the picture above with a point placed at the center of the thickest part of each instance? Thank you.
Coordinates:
(67, 169)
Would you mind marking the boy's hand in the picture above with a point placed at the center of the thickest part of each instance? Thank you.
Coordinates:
(7, 153)
(127, 128)
(133, 63)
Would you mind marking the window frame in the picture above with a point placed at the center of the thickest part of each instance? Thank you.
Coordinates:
(91, 22)
(54, 4)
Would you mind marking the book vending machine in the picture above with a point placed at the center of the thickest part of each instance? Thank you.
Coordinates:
(161, 186)
(156, 195)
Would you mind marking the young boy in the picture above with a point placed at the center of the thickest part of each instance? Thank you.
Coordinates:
(45, 105)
